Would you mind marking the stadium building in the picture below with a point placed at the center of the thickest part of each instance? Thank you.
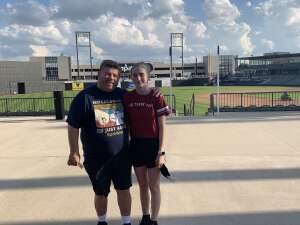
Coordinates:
(278, 68)
(160, 75)
(54, 67)
(39, 74)
(227, 65)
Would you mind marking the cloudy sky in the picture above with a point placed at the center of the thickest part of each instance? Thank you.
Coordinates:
(131, 30)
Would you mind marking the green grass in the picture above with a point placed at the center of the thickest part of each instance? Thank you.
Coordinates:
(183, 96)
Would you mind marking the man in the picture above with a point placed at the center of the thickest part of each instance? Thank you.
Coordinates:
(98, 112)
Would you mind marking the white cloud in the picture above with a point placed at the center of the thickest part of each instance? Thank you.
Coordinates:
(67, 25)
(38, 35)
(174, 26)
(97, 52)
(121, 31)
(294, 17)
(136, 29)
(265, 8)
(39, 50)
(268, 43)
(199, 29)
(223, 18)
(273, 7)
(223, 48)
(158, 8)
(245, 40)
(221, 13)
(26, 12)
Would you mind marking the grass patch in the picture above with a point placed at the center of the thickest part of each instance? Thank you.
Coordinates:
(183, 96)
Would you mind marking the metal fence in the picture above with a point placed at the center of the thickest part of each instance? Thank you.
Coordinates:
(26, 106)
(189, 109)
(171, 99)
(256, 101)
(42, 105)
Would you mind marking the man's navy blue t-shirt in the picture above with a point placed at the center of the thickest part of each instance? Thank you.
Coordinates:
(100, 116)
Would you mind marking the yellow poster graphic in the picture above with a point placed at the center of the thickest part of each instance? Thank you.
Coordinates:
(77, 86)
(109, 115)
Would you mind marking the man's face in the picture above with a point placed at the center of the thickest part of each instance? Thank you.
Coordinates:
(108, 79)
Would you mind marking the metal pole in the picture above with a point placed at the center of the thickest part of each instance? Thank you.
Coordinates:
(92, 68)
(181, 54)
(90, 54)
(196, 74)
(77, 55)
(218, 82)
(171, 73)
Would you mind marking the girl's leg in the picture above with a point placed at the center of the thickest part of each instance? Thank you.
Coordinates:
(142, 178)
(154, 185)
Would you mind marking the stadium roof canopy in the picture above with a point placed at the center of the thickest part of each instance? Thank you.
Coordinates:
(271, 56)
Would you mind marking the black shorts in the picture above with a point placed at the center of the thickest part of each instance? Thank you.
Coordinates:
(101, 173)
(144, 151)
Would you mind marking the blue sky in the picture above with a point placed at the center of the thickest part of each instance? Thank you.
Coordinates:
(139, 30)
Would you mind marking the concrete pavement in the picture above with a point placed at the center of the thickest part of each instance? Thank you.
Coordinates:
(231, 169)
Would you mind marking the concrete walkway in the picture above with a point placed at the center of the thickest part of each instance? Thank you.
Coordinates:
(231, 169)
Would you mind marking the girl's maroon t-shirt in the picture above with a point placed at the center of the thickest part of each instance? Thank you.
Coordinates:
(143, 111)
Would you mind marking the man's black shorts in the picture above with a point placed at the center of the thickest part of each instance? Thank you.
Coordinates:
(144, 151)
(116, 169)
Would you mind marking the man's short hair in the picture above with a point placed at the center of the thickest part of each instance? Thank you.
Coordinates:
(107, 63)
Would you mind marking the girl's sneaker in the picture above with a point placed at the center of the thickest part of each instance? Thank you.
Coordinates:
(153, 222)
(145, 220)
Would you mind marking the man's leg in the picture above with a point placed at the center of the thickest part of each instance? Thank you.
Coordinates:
(100, 205)
(124, 202)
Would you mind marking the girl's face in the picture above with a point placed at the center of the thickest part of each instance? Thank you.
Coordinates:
(140, 77)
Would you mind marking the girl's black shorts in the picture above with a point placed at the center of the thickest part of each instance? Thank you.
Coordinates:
(144, 151)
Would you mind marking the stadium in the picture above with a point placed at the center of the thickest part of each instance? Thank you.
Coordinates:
(276, 74)
(276, 69)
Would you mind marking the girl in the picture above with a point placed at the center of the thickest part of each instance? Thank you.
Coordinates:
(146, 114)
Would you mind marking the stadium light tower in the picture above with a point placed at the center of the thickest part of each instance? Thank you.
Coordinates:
(176, 42)
(83, 40)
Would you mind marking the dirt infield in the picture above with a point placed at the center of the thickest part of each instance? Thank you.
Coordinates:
(252, 99)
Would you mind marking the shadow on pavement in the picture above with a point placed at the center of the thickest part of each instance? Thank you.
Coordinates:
(258, 218)
(179, 176)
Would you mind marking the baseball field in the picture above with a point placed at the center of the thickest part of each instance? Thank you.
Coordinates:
(183, 96)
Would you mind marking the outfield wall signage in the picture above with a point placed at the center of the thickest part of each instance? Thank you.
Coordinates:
(77, 86)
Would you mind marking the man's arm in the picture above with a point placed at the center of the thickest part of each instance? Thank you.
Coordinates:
(74, 156)
(157, 92)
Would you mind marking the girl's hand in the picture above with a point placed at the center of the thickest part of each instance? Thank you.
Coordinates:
(160, 160)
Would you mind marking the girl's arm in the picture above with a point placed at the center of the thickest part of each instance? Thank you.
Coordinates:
(161, 126)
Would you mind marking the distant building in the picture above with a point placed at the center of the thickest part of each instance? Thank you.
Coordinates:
(211, 63)
(84, 72)
(161, 71)
(14, 75)
(54, 67)
(34, 75)
(227, 65)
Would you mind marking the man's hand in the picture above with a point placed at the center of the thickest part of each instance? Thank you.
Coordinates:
(157, 92)
(74, 160)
